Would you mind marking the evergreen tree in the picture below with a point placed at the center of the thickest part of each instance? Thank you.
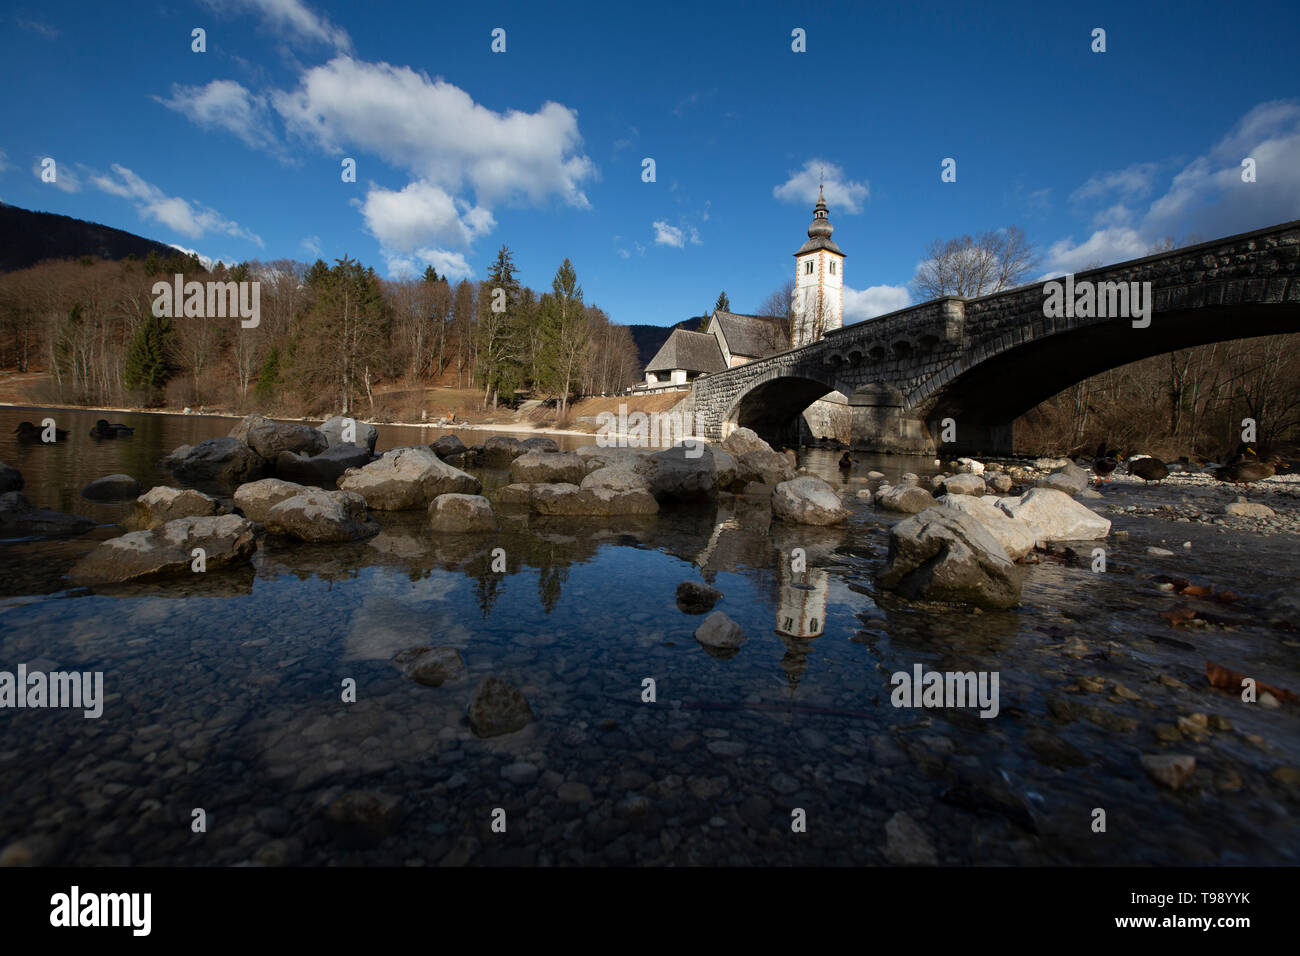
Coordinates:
(148, 364)
(268, 377)
(723, 304)
(567, 335)
(500, 349)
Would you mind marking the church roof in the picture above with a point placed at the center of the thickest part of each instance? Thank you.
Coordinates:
(692, 351)
(819, 243)
(750, 336)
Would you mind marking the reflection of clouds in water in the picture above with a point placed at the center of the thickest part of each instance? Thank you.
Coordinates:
(396, 614)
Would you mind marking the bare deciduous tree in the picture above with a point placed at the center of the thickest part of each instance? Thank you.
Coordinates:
(970, 267)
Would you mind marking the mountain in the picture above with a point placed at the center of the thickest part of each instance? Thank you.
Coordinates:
(27, 237)
(650, 339)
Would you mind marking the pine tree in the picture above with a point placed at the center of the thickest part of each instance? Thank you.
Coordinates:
(723, 304)
(500, 350)
(148, 365)
(268, 377)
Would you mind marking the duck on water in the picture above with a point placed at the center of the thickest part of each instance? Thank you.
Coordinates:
(105, 429)
(30, 433)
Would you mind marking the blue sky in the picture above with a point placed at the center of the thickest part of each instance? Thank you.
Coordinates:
(236, 152)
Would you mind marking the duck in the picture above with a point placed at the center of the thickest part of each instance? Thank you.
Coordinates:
(1149, 469)
(27, 432)
(1105, 463)
(846, 461)
(1247, 468)
(104, 429)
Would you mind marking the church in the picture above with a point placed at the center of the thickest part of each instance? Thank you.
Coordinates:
(728, 339)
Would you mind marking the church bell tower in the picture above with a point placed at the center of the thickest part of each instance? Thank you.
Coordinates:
(818, 304)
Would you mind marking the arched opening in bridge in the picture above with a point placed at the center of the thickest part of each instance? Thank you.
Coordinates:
(984, 401)
(773, 409)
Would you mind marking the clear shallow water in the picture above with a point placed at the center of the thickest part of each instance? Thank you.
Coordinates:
(224, 694)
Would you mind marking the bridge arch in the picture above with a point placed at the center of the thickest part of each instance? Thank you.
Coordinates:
(992, 385)
(772, 406)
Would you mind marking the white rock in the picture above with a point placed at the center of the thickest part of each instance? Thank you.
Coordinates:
(1055, 516)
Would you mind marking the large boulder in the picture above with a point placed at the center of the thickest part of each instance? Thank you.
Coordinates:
(1016, 537)
(808, 500)
(1055, 516)
(316, 515)
(11, 479)
(906, 498)
(763, 466)
(323, 469)
(17, 516)
(943, 554)
(447, 446)
(223, 461)
(620, 476)
(598, 456)
(407, 478)
(364, 435)
(497, 708)
(112, 488)
(689, 472)
(226, 540)
(269, 438)
(547, 467)
(514, 496)
(569, 499)
(742, 441)
(256, 498)
(500, 450)
(469, 514)
(539, 443)
(965, 484)
(998, 482)
(161, 504)
(1069, 479)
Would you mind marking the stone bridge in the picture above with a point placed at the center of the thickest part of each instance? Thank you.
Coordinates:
(983, 362)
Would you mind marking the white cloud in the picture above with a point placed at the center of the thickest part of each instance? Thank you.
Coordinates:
(43, 30)
(186, 217)
(421, 213)
(1130, 183)
(437, 132)
(842, 193)
(4, 161)
(311, 244)
(224, 104)
(1206, 197)
(450, 264)
(666, 235)
(292, 17)
(1113, 244)
(873, 301)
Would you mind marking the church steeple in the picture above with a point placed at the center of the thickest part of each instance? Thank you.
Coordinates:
(821, 227)
(818, 280)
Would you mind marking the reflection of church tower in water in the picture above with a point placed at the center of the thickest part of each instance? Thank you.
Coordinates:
(800, 614)
(801, 611)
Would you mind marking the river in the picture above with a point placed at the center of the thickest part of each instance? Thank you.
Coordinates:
(224, 694)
